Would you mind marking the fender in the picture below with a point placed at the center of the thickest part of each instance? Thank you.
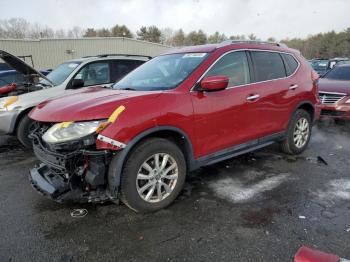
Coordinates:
(118, 160)
(300, 104)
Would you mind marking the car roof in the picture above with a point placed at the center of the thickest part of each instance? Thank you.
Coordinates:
(233, 44)
(110, 57)
(342, 65)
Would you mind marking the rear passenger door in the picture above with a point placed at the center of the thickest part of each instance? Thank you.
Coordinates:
(272, 106)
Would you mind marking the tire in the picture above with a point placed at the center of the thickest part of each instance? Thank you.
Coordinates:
(289, 146)
(133, 178)
(23, 131)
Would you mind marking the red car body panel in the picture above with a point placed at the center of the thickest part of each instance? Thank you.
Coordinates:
(341, 109)
(212, 121)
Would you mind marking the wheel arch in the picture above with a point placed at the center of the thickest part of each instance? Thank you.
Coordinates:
(174, 134)
(307, 106)
(19, 118)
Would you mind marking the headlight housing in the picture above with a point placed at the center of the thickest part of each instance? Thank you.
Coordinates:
(70, 131)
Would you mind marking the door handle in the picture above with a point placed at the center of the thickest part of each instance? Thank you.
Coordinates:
(293, 87)
(253, 97)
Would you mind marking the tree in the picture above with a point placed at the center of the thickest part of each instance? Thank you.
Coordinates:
(15, 28)
(75, 32)
(121, 31)
(237, 37)
(90, 32)
(167, 35)
(150, 33)
(103, 32)
(271, 39)
(216, 38)
(252, 37)
(196, 38)
(179, 38)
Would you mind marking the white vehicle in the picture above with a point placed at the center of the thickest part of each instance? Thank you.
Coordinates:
(84, 72)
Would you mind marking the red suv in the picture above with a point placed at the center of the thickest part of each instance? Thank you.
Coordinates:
(188, 108)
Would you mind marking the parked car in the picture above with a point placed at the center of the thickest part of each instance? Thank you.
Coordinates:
(334, 92)
(322, 66)
(5, 67)
(83, 72)
(8, 77)
(188, 108)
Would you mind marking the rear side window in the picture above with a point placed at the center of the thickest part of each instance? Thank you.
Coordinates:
(290, 63)
(120, 68)
(268, 66)
(233, 65)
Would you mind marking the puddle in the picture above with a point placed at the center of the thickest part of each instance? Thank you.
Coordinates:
(262, 217)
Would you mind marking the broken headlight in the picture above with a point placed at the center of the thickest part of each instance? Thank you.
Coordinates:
(69, 131)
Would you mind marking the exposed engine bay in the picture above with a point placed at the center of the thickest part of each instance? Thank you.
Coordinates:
(14, 89)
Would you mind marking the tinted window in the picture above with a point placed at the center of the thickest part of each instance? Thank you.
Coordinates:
(233, 65)
(268, 66)
(290, 63)
(121, 68)
(162, 73)
(339, 73)
(94, 74)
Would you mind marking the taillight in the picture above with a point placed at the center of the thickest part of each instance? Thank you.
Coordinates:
(314, 78)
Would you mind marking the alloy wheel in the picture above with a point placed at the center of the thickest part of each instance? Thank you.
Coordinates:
(157, 177)
(301, 132)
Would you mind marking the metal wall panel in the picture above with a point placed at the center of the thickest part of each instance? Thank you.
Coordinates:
(48, 53)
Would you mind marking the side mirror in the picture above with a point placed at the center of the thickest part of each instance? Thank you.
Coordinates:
(77, 83)
(214, 83)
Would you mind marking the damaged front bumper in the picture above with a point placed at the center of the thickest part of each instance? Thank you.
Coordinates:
(78, 176)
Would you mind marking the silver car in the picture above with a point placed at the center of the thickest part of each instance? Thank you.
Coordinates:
(87, 71)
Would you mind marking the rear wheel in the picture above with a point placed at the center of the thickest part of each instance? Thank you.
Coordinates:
(153, 175)
(24, 128)
(298, 134)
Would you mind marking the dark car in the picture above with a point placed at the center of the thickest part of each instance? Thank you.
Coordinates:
(14, 77)
(334, 92)
(5, 67)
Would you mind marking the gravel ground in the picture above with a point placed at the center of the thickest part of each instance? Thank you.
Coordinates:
(258, 207)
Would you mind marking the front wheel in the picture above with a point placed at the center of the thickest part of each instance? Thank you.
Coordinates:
(24, 128)
(298, 134)
(153, 175)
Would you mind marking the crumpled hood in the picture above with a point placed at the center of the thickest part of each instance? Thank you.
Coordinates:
(337, 86)
(87, 104)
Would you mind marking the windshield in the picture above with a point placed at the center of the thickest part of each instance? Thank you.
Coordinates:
(320, 64)
(339, 73)
(161, 73)
(59, 74)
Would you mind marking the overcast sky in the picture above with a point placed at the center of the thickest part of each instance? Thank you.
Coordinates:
(277, 18)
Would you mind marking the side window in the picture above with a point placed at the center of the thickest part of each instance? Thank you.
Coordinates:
(120, 68)
(94, 74)
(233, 65)
(268, 65)
(290, 63)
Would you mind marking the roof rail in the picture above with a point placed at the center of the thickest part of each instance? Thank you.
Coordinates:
(106, 55)
(229, 42)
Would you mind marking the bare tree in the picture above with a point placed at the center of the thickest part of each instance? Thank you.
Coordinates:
(75, 32)
(15, 28)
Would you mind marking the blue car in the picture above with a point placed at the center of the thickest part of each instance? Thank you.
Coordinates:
(13, 76)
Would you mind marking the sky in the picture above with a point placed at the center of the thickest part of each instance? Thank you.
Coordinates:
(264, 18)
